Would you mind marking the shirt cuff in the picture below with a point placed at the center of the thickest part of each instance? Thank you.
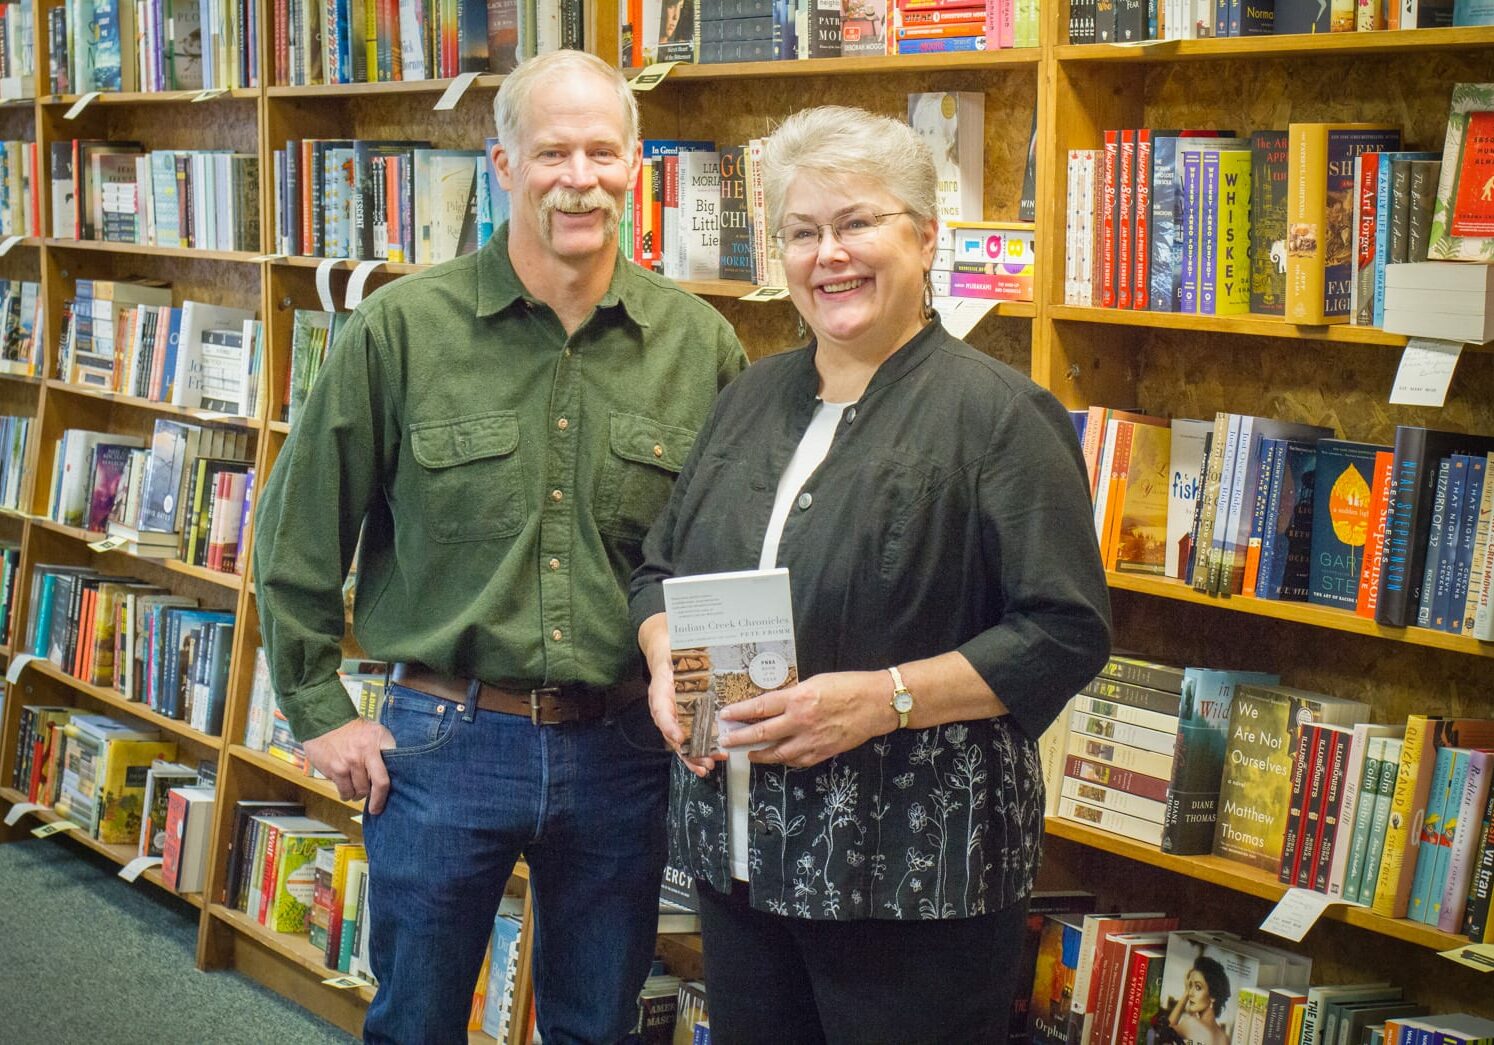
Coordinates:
(645, 603)
(317, 709)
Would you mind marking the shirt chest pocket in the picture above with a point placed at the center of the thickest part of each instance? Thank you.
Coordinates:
(643, 458)
(472, 481)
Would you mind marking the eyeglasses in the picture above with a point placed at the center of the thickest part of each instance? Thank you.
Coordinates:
(857, 226)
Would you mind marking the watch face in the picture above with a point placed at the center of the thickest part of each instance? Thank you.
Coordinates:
(902, 702)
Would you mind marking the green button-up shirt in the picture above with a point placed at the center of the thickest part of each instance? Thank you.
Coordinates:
(502, 474)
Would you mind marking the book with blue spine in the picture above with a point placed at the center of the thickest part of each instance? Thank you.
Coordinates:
(1286, 546)
(1444, 771)
(1189, 204)
(1383, 200)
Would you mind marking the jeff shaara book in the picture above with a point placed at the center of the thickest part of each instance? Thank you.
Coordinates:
(732, 637)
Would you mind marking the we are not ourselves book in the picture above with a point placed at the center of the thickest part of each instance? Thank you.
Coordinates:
(732, 638)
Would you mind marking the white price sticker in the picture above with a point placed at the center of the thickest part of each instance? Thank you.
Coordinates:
(960, 315)
(1478, 956)
(56, 827)
(324, 283)
(18, 665)
(651, 76)
(20, 809)
(1426, 372)
(81, 104)
(108, 544)
(766, 294)
(1298, 911)
(344, 983)
(138, 866)
(7, 243)
(454, 92)
(357, 281)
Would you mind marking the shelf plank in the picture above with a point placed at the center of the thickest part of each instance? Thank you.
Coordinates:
(120, 854)
(22, 379)
(155, 406)
(487, 81)
(1248, 880)
(1298, 613)
(870, 65)
(242, 94)
(299, 261)
(1321, 45)
(270, 764)
(280, 427)
(101, 247)
(1260, 326)
(293, 947)
(115, 699)
(231, 581)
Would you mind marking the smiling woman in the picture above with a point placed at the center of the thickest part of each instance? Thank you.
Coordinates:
(872, 862)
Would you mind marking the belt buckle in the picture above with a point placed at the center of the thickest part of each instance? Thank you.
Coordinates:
(534, 702)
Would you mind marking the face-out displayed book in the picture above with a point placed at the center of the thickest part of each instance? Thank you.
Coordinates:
(1204, 975)
(732, 639)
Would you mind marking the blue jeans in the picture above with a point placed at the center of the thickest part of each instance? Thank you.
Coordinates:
(469, 791)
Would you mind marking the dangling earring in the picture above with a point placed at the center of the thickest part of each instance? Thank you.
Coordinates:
(803, 332)
(928, 296)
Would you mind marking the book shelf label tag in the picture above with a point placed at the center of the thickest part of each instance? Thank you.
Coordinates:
(357, 281)
(454, 92)
(766, 294)
(1297, 912)
(1478, 956)
(960, 315)
(324, 283)
(1426, 371)
(358, 819)
(108, 544)
(56, 827)
(20, 809)
(651, 76)
(18, 665)
(81, 104)
(343, 983)
(7, 243)
(138, 866)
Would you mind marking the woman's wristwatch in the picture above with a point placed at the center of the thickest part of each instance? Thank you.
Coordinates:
(902, 699)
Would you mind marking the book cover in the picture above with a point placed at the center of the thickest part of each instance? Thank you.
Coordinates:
(952, 124)
(1320, 197)
(1140, 544)
(1053, 979)
(1286, 545)
(734, 217)
(732, 639)
(122, 788)
(1463, 214)
(1192, 805)
(1256, 784)
(1185, 466)
(1341, 521)
(295, 878)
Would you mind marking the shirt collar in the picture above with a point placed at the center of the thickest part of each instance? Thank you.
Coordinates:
(902, 362)
(499, 286)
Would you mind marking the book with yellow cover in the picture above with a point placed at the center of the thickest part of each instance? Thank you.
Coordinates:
(295, 878)
(1320, 208)
(1139, 544)
(122, 786)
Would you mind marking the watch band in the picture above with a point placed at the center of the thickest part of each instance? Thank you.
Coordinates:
(902, 697)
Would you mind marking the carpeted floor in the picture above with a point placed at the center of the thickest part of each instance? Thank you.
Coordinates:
(86, 957)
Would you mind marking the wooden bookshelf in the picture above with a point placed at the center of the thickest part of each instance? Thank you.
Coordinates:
(190, 413)
(66, 101)
(293, 947)
(1175, 365)
(217, 578)
(1238, 878)
(120, 854)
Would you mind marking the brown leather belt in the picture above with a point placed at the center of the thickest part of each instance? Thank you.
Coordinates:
(542, 705)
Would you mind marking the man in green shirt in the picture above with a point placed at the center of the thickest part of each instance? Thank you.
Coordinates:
(501, 429)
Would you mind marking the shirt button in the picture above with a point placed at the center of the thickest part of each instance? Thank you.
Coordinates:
(557, 635)
(562, 424)
(805, 500)
(556, 496)
(658, 450)
(554, 564)
(850, 414)
(566, 352)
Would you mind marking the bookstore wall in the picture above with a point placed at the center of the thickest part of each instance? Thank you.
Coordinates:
(1301, 569)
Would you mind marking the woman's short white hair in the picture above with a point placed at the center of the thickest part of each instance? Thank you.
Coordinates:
(512, 100)
(840, 141)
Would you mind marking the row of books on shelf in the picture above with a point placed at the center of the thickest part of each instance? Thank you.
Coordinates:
(712, 31)
(20, 320)
(189, 495)
(337, 42)
(401, 201)
(152, 45)
(1397, 817)
(125, 336)
(312, 335)
(1096, 978)
(161, 650)
(1301, 223)
(17, 52)
(1399, 534)
(10, 565)
(20, 188)
(14, 431)
(1129, 21)
(118, 192)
